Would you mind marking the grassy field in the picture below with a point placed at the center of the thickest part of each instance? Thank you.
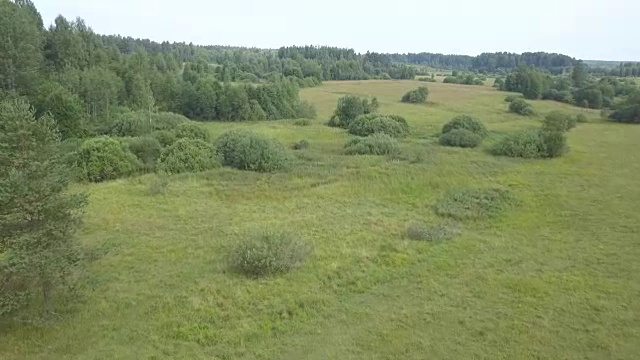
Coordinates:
(556, 276)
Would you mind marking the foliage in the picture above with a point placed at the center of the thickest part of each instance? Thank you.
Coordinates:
(164, 137)
(192, 131)
(473, 203)
(466, 122)
(439, 232)
(376, 144)
(416, 96)
(564, 96)
(558, 121)
(521, 107)
(38, 216)
(365, 125)
(306, 110)
(268, 253)
(301, 145)
(426, 79)
(147, 149)
(187, 155)
(581, 118)
(532, 144)
(349, 108)
(464, 79)
(302, 122)
(246, 150)
(528, 81)
(460, 138)
(104, 158)
(628, 110)
(511, 98)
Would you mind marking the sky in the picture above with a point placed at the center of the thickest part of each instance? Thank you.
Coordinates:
(585, 29)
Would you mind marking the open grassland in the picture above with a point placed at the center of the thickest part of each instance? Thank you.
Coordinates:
(554, 276)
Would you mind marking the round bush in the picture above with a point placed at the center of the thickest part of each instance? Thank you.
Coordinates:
(416, 96)
(146, 149)
(245, 150)
(512, 98)
(187, 155)
(376, 144)
(525, 144)
(365, 125)
(466, 122)
(165, 137)
(558, 121)
(460, 138)
(300, 145)
(268, 253)
(521, 107)
(105, 158)
(193, 131)
(581, 118)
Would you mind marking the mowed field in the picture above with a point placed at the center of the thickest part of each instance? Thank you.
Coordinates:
(556, 276)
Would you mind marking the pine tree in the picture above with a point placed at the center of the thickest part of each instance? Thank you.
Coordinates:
(38, 216)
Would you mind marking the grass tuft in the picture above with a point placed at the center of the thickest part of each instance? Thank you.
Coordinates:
(473, 203)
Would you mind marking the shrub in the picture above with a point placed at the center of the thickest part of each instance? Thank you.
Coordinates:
(460, 138)
(376, 144)
(128, 124)
(349, 108)
(164, 137)
(306, 110)
(245, 150)
(187, 155)
(531, 144)
(146, 149)
(512, 98)
(300, 145)
(466, 122)
(558, 121)
(560, 96)
(627, 114)
(581, 118)
(473, 203)
(416, 96)
(426, 79)
(521, 107)
(192, 131)
(268, 253)
(159, 185)
(365, 125)
(440, 232)
(302, 122)
(105, 158)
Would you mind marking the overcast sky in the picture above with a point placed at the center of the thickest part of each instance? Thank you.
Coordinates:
(586, 29)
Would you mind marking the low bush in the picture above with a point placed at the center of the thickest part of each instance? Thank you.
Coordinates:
(531, 144)
(192, 131)
(416, 96)
(365, 125)
(376, 144)
(104, 158)
(558, 121)
(422, 232)
(473, 203)
(300, 145)
(245, 150)
(581, 118)
(302, 122)
(268, 253)
(165, 137)
(466, 122)
(187, 155)
(147, 149)
(460, 138)
(426, 79)
(521, 107)
(159, 185)
(563, 96)
(306, 110)
(512, 98)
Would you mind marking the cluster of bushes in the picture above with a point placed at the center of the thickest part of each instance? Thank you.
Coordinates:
(349, 108)
(464, 79)
(521, 107)
(463, 131)
(427, 79)
(416, 96)
(548, 142)
(628, 110)
(376, 144)
(185, 148)
(392, 125)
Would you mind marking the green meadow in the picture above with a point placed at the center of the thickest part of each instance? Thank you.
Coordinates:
(554, 275)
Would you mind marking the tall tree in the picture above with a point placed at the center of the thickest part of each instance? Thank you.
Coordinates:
(38, 216)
